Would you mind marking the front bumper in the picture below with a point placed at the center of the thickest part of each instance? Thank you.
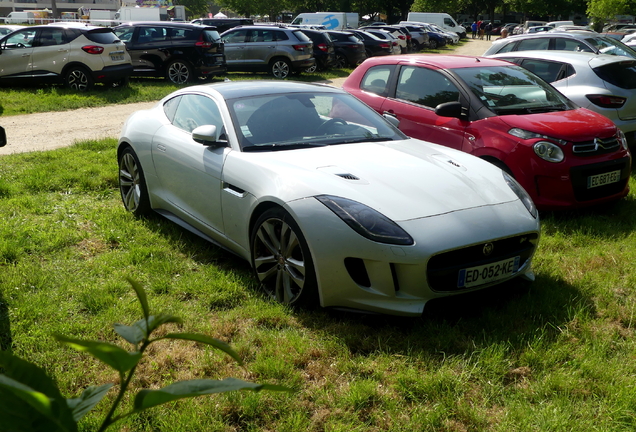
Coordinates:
(356, 273)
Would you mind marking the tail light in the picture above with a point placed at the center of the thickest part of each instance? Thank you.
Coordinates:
(323, 47)
(402, 37)
(93, 49)
(299, 47)
(385, 45)
(605, 101)
(202, 43)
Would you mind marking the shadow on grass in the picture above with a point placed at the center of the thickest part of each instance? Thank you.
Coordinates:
(5, 326)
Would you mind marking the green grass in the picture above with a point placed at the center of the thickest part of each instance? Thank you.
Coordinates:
(557, 354)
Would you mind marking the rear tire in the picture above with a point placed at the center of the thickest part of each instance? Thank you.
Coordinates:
(432, 44)
(79, 79)
(179, 72)
(280, 68)
(340, 62)
(132, 184)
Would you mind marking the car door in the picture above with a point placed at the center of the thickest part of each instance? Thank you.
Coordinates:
(51, 51)
(151, 45)
(418, 91)
(235, 42)
(190, 172)
(261, 47)
(16, 54)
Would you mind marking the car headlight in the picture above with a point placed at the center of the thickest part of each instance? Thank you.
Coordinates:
(622, 139)
(366, 221)
(521, 193)
(546, 150)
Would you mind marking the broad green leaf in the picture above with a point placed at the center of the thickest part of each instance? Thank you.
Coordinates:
(16, 414)
(141, 295)
(36, 399)
(90, 397)
(218, 344)
(132, 334)
(114, 356)
(154, 321)
(192, 388)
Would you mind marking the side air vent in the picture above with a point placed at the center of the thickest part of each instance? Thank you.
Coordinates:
(348, 176)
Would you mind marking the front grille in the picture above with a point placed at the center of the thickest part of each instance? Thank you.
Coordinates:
(580, 175)
(443, 269)
(596, 147)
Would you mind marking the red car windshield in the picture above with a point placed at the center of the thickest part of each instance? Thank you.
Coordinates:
(512, 90)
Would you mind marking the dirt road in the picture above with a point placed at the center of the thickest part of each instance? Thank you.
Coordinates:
(47, 131)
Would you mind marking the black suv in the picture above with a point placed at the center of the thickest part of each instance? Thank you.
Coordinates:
(350, 50)
(181, 52)
(324, 51)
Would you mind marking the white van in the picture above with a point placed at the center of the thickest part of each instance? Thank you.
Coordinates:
(555, 24)
(443, 20)
(331, 20)
(20, 18)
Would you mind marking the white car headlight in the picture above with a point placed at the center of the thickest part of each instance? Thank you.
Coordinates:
(622, 139)
(366, 221)
(521, 193)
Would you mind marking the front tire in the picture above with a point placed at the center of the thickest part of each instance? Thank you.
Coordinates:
(179, 72)
(280, 68)
(132, 184)
(432, 44)
(78, 79)
(281, 259)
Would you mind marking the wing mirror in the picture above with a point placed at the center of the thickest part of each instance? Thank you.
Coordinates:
(3, 137)
(451, 109)
(209, 135)
(392, 119)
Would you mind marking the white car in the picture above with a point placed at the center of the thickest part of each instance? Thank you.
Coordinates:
(396, 48)
(77, 56)
(328, 201)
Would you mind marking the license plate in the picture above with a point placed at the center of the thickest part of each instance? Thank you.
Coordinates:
(117, 56)
(480, 275)
(603, 179)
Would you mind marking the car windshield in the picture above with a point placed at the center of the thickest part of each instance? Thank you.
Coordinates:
(512, 90)
(611, 46)
(297, 120)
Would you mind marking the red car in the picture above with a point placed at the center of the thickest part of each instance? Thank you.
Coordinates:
(563, 155)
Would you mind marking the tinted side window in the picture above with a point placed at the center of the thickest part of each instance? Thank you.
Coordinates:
(571, 45)
(548, 70)
(376, 80)
(51, 36)
(237, 36)
(425, 87)
(533, 44)
(181, 34)
(196, 110)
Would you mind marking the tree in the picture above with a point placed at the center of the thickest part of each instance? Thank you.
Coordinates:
(194, 8)
(600, 11)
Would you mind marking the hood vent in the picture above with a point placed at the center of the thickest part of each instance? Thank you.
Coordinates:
(348, 176)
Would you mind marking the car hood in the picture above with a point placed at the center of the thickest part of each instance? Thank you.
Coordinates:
(402, 179)
(575, 125)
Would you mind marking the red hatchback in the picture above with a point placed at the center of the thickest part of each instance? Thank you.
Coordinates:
(563, 155)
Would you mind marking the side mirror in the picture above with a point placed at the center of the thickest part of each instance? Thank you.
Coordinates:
(3, 137)
(208, 135)
(451, 109)
(392, 119)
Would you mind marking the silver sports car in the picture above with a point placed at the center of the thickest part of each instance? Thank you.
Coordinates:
(329, 202)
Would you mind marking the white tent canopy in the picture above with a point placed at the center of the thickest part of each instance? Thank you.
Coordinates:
(220, 15)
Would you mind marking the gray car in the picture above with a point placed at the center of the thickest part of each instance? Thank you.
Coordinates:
(561, 41)
(279, 50)
(600, 82)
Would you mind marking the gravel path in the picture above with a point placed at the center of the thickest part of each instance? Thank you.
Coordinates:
(47, 131)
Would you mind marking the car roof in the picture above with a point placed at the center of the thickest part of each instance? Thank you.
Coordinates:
(573, 57)
(553, 34)
(237, 89)
(175, 24)
(440, 61)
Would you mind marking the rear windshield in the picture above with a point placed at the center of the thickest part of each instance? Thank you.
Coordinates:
(611, 46)
(102, 36)
(211, 36)
(621, 74)
(301, 36)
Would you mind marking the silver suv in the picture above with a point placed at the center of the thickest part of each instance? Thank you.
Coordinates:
(75, 55)
(279, 50)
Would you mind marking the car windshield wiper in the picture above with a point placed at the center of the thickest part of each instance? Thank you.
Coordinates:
(277, 147)
(550, 108)
(365, 139)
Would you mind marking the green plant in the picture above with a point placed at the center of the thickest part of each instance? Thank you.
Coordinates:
(30, 400)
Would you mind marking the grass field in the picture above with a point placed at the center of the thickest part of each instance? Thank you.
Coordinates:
(557, 354)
